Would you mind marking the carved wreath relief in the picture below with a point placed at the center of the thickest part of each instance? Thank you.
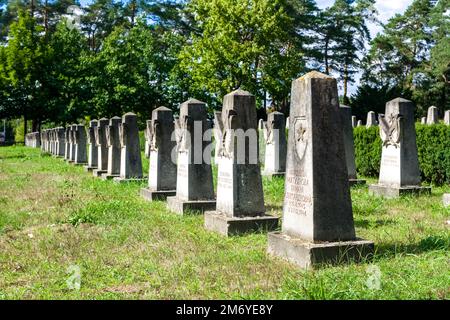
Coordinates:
(123, 134)
(391, 129)
(227, 142)
(300, 136)
(153, 135)
(183, 127)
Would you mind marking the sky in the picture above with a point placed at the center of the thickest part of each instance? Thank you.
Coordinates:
(386, 9)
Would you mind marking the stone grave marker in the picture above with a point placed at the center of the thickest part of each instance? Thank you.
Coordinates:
(318, 224)
(240, 198)
(399, 170)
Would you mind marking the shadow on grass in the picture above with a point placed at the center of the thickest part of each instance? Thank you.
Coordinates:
(430, 243)
(370, 224)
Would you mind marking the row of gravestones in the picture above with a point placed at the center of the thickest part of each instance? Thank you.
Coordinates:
(317, 225)
(109, 147)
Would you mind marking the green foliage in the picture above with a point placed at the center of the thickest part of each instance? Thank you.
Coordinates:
(433, 145)
(367, 150)
(241, 44)
(412, 55)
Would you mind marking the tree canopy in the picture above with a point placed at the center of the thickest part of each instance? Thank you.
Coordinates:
(61, 62)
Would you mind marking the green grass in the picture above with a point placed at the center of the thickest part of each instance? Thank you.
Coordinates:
(54, 216)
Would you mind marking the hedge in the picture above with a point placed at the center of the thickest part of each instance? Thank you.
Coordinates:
(433, 144)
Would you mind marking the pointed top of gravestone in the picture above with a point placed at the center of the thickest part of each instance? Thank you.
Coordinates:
(93, 123)
(316, 75)
(193, 101)
(128, 114)
(399, 100)
(239, 92)
(103, 119)
(162, 108)
(116, 117)
(433, 107)
(277, 113)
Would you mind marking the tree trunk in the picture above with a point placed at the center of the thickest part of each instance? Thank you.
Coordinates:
(327, 71)
(345, 83)
(34, 125)
(133, 12)
(46, 18)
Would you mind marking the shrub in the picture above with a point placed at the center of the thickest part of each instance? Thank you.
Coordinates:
(367, 151)
(433, 145)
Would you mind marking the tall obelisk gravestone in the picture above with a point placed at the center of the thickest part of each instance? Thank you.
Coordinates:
(130, 158)
(92, 147)
(102, 153)
(195, 190)
(114, 152)
(399, 171)
(318, 222)
(240, 198)
(276, 145)
(162, 173)
(349, 146)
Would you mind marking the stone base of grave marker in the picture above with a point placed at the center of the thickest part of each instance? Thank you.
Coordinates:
(88, 168)
(356, 182)
(395, 192)
(230, 226)
(182, 207)
(309, 255)
(446, 200)
(118, 179)
(153, 195)
(107, 176)
(79, 163)
(98, 173)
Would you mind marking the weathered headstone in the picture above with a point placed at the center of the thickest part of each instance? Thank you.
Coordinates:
(114, 148)
(130, 157)
(371, 119)
(349, 146)
(162, 175)
(72, 143)
(433, 117)
(240, 198)
(195, 190)
(80, 145)
(60, 142)
(260, 124)
(399, 171)
(318, 224)
(217, 135)
(52, 141)
(42, 140)
(92, 147)
(423, 120)
(359, 124)
(447, 117)
(67, 143)
(102, 153)
(446, 199)
(354, 122)
(276, 145)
